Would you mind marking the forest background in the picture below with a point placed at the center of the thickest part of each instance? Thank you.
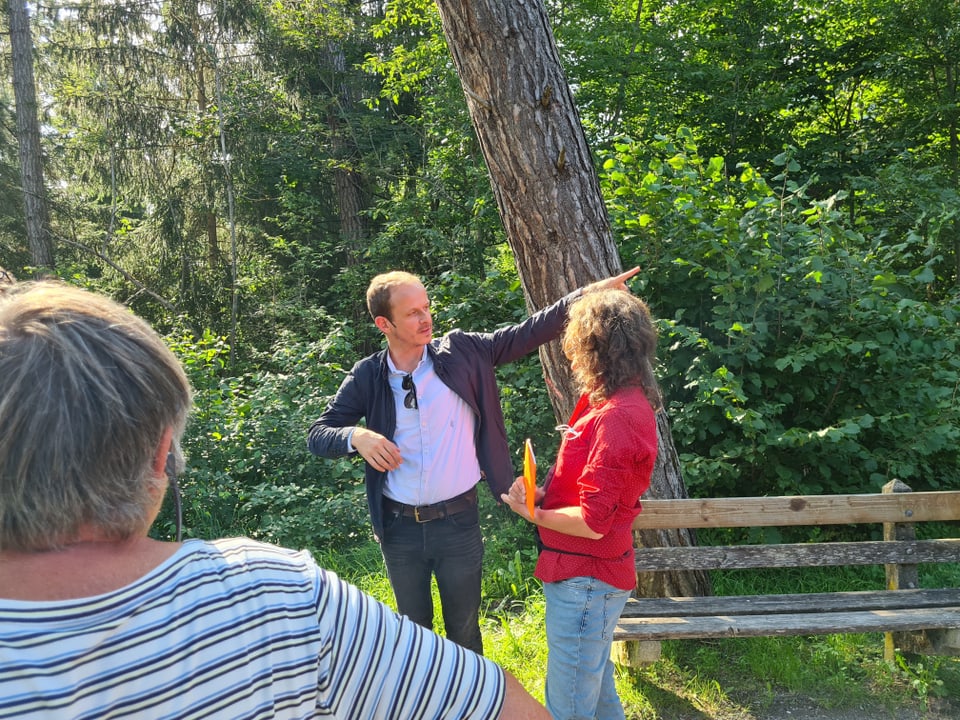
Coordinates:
(786, 173)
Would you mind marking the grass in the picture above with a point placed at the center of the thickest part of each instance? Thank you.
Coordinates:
(735, 679)
(729, 679)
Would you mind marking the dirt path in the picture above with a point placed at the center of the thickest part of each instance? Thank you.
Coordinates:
(799, 707)
(792, 707)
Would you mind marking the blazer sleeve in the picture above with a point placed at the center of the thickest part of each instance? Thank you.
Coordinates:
(513, 342)
(329, 435)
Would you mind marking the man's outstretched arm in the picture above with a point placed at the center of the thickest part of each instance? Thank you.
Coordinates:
(616, 282)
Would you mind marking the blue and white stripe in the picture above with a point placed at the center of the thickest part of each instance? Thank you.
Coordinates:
(234, 629)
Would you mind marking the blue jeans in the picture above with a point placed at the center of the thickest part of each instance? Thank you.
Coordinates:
(582, 613)
(451, 549)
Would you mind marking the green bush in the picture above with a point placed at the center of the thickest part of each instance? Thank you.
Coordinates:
(248, 468)
(797, 354)
(249, 471)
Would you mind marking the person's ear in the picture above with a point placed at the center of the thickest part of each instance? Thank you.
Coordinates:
(382, 323)
(163, 449)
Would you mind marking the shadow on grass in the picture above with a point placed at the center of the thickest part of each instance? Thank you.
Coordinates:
(644, 699)
(819, 678)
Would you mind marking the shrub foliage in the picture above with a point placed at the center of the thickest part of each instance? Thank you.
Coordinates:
(799, 354)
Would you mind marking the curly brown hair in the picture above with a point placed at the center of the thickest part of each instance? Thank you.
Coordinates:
(611, 342)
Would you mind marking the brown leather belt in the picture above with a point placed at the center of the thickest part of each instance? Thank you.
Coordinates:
(436, 511)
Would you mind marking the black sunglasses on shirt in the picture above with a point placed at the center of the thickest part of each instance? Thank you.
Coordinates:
(410, 400)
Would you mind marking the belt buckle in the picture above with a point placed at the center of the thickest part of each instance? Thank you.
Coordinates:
(416, 514)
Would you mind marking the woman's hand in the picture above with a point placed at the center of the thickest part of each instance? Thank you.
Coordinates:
(516, 499)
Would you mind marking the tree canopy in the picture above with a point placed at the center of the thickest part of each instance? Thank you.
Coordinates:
(785, 171)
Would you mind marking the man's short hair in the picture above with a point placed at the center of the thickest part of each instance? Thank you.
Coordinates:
(87, 390)
(380, 288)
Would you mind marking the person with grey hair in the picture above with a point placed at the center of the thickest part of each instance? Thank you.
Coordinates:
(98, 619)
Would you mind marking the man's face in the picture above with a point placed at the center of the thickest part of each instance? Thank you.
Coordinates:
(411, 323)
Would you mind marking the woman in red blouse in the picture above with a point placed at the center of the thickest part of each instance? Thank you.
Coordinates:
(587, 505)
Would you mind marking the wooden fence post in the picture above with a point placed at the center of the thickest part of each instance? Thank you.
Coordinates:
(899, 577)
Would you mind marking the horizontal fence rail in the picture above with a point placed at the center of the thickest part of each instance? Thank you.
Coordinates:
(775, 511)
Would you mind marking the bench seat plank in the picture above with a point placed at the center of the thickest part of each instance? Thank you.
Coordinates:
(793, 603)
(869, 552)
(782, 624)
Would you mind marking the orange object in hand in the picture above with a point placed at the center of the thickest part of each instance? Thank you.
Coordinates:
(529, 474)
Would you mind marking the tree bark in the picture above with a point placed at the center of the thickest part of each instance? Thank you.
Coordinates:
(667, 482)
(349, 184)
(536, 153)
(546, 188)
(28, 138)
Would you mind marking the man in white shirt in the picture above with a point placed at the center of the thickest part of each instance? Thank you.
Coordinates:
(434, 428)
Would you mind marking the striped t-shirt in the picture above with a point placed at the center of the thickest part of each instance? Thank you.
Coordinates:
(234, 629)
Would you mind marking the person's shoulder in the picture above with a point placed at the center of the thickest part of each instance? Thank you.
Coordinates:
(371, 362)
(627, 404)
(630, 395)
(454, 340)
(367, 368)
(249, 546)
(245, 551)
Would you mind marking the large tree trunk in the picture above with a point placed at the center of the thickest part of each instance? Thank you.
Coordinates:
(667, 482)
(536, 152)
(349, 185)
(546, 187)
(28, 138)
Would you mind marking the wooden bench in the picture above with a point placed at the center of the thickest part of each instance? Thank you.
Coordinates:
(932, 614)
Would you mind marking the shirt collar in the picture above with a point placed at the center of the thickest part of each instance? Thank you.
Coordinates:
(392, 369)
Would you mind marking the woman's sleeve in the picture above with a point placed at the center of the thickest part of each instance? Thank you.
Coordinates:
(618, 469)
